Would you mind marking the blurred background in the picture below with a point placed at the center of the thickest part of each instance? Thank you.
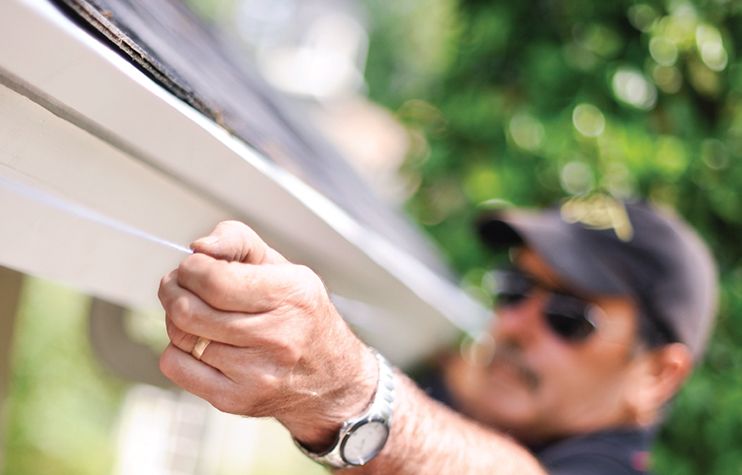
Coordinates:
(443, 105)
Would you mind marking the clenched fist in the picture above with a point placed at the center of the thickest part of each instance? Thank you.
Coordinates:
(278, 346)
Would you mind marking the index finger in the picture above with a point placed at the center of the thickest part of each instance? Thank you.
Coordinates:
(237, 287)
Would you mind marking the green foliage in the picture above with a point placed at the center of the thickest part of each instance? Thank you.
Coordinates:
(62, 408)
(540, 100)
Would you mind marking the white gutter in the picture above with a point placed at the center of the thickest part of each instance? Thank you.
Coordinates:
(78, 120)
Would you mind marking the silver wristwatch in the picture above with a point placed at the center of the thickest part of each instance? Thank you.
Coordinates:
(361, 438)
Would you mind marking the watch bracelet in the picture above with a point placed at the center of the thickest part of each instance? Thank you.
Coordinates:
(380, 409)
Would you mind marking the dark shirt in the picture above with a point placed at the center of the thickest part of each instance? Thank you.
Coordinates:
(620, 451)
(610, 452)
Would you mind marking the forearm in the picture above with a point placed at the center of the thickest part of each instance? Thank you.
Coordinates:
(429, 438)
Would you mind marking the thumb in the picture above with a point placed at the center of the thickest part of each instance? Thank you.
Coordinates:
(235, 241)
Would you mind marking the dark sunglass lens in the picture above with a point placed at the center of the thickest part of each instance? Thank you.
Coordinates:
(505, 299)
(568, 318)
(511, 287)
(569, 327)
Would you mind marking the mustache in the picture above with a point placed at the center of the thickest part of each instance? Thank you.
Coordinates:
(510, 355)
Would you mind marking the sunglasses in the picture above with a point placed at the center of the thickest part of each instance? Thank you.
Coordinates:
(567, 316)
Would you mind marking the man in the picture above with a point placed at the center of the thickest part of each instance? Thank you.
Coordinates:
(600, 321)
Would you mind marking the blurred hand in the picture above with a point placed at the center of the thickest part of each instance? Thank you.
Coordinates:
(279, 348)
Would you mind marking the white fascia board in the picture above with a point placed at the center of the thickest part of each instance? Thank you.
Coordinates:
(79, 81)
(49, 155)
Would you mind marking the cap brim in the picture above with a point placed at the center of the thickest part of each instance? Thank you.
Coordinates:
(568, 252)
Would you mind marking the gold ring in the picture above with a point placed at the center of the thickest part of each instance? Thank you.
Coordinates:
(200, 347)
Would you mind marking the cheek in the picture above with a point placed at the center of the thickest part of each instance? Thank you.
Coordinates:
(569, 371)
(582, 389)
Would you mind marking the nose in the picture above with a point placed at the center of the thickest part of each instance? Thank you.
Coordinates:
(522, 322)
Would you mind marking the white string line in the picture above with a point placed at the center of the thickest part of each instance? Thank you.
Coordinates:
(85, 213)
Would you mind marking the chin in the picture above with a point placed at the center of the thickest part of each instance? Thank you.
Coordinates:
(512, 421)
(509, 411)
(499, 399)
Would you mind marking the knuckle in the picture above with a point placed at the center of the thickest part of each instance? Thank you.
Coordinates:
(310, 291)
(185, 265)
(193, 263)
(161, 294)
(179, 310)
(180, 338)
(167, 365)
(240, 228)
(239, 232)
(205, 276)
(164, 291)
(233, 224)
(314, 283)
(304, 273)
(216, 279)
(235, 228)
(170, 328)
(267, 382)
(242, 335)
(282, 349)
(289, 355)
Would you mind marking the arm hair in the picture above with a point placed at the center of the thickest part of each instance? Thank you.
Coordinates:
(429, 438)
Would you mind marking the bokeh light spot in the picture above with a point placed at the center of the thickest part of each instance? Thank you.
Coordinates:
(667, 78)
(642, 16)
(663, 51)
(588, 120)
(711, 47)
(631, 87)
(482, 183)
(576, 178)
(703, 79)
(526, 131)
(671, 158)
(714, 56)
(680, 26)
(715, 154)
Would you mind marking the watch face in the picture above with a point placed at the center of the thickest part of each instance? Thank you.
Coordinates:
(364, 442)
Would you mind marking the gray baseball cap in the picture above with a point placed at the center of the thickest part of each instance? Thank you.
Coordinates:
(602, 246)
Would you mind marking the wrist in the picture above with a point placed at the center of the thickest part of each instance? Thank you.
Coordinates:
(361, 437)
(318, 429)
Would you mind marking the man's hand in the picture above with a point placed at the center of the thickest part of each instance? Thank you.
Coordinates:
(279, 348)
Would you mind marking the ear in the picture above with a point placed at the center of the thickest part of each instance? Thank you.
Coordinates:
(657, 376)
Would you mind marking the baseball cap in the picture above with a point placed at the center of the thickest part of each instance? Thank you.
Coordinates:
(599, 245)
